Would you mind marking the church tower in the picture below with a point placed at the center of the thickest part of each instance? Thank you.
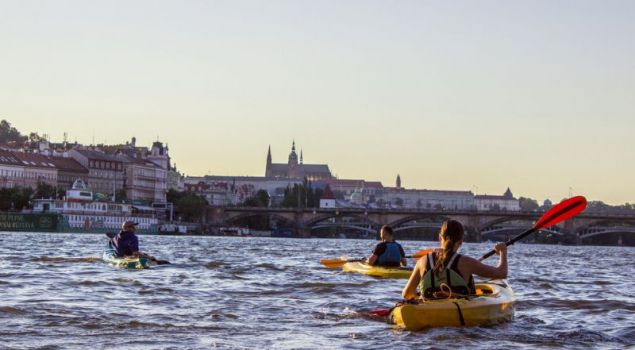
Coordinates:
(508, 194)
(269, 162)
(293, 157)
(293, 162)
(159, 155)
(398, 181)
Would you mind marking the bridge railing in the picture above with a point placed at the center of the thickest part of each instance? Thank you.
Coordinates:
(415, 211)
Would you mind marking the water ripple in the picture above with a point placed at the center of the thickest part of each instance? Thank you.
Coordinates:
(272, 293)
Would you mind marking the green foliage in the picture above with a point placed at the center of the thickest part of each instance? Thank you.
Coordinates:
(546, 204)
(189, 206)
(16, 198)
(601, 207)
(173, 195)
(302, 196)
(44, 190)
(10, 135)
(34, 137)
(260, 199)
(528, 204)
(60, 193)
(120, 196)
(263, 198)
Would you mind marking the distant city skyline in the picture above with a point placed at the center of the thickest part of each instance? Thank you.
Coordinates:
(536, 96)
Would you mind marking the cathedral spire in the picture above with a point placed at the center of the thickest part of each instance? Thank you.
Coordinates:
(301, 158)
(398, 181)
(268, 167)
(293, 157)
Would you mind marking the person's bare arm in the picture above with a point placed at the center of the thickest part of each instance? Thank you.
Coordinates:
(404, 262)
(410, 290)
(478, 268)
(371, 259)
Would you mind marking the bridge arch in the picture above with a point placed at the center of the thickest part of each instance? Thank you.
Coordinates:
(349, 226)
(607, 232)
(423, 216)
(481, 227)
(579, 230)
(315, 220)
(243, 216)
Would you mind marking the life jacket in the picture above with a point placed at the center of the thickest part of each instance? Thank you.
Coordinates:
(391, 256)
(450, 276)
(125, 243)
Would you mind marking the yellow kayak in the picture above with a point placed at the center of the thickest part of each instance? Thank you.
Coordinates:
(378, 271)
(494, 303)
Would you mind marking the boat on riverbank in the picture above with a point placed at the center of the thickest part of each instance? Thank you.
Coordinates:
(79, 212)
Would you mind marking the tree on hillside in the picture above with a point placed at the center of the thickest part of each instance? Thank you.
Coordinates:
(301, 196)
(528, 204)
(10, 135)
(35, 137)
(260, 199)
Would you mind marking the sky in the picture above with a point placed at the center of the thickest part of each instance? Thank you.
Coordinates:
(537, 95)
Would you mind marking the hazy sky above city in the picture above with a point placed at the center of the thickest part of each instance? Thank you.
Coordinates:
(473, 95)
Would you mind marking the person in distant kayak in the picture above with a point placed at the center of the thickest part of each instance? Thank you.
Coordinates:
(126, 243)
(445, 271)
(388, 252)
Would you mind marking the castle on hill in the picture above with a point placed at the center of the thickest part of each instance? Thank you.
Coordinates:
(296, 169)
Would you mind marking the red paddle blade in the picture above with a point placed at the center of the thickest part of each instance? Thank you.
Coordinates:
(561, 212)
(380, 313)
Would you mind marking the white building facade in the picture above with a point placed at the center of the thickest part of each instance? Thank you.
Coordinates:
(506, 202)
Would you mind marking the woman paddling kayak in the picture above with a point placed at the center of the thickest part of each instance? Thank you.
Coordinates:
(445, 270)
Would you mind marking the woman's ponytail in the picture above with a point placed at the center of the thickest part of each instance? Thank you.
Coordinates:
(452, 232)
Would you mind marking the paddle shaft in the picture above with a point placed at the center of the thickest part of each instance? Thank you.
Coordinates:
(562, 211)
(510, 242)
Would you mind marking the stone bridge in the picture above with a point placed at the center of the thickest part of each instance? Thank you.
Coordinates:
(303, 220)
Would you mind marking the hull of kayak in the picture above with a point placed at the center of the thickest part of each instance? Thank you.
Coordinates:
(493, 304)
(111, 259)
(377, 271)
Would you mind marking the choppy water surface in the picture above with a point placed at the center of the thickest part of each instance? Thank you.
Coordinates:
(272, 293)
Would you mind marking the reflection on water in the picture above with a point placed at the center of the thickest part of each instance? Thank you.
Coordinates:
(273, 293)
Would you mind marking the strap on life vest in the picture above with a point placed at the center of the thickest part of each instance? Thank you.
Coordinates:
(453, 279)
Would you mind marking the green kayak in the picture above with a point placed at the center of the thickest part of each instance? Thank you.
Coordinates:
(112, 259)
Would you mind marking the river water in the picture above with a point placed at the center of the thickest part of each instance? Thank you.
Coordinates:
(243, 293)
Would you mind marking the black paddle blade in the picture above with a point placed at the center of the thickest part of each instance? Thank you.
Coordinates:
(111, 234)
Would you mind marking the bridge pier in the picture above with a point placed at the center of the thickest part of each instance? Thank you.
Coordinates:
(303, 232)
(474, 223)
(478, 236)
(300, 229)
(568, 229)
